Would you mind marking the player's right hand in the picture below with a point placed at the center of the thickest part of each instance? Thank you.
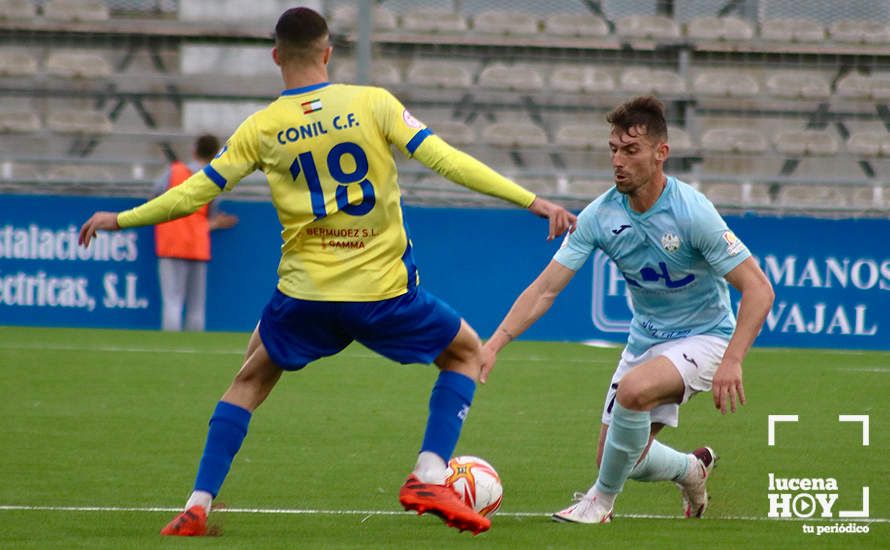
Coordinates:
(727, 387)
(561, 220)
(106, 221)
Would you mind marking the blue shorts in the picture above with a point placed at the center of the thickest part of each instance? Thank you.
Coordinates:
(412, 328)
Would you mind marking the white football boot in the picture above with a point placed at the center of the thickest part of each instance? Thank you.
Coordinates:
(585, 510)
(693, 486)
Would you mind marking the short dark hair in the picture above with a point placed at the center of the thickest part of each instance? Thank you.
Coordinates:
(206, 146)
(298, 32)
(646, 111)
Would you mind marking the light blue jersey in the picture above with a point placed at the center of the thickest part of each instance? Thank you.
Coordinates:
(673, 257)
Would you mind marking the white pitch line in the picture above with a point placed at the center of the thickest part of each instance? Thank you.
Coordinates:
(884, 370)
(240, 352)
(310, 511)
(121, 349)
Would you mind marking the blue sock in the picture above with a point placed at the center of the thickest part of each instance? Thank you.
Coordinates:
(661, 463)
(449, 404)
(625, 442)
(228, 426)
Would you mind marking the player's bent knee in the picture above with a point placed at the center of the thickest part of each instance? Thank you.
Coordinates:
(635, 395)
(463, 354)
(632, 401)
(465, 346)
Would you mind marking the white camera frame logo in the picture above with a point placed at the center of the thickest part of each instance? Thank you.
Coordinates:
(802, 498)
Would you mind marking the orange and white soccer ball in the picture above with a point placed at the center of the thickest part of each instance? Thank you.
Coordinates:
(476, 482)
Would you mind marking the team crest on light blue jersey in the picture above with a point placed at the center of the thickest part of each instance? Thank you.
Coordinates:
(670, 242)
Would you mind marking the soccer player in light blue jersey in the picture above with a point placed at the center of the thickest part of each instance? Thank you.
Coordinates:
(347, 269)
(677, 255)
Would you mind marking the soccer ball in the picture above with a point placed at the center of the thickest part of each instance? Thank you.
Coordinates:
(476, 482)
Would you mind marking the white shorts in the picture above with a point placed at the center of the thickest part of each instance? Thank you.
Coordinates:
(696, 358)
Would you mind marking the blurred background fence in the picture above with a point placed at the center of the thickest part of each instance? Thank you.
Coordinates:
(774, 105)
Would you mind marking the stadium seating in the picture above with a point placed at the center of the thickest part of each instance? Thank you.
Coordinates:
(573, 24)
(583, 136)
(860, 32)
(19, 121)
(216, 116)
(79, 172)
(589, 189)
(863, 86)
(436, 20)
(19, 171)
(73, 64)
(526, 91)
(719, 28)
(581, 78)
(869, 144)
(795, 85)
(656, 27)
(344, 16)
(543, 186)
(652, 81)
(869, 197)
(737, 194)
(76, 10)
(440, 74)
(214, 60)
(725, 84)
(806, 142)
(514, 134)
(382, 72)
(79, 122)
(517, 76)
(17, 9)
(14, 62)
(813, 196)
(680, 141)
(453, 131)
(505, 22)
(733, 140)
(792, 30)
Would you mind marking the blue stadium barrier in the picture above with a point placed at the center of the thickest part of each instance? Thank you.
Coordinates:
(832, 277)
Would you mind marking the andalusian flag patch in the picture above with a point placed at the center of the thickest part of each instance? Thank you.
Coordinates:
(311, 106)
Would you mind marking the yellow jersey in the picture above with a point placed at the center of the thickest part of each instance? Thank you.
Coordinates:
(325, 150)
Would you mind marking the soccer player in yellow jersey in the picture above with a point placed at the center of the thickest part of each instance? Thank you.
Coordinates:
(325, 149)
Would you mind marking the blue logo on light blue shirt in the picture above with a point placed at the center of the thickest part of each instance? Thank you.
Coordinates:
(650, 275)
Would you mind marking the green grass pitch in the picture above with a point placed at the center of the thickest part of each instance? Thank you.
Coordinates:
(98, 420)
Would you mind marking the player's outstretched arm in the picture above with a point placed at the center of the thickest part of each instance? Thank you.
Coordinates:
(561, 220)
(465, 170)
(757, 299)
(528, 308)
(105, 221)
(175, 203)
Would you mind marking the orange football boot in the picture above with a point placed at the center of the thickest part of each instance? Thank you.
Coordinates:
(442, 501)
(191, 523)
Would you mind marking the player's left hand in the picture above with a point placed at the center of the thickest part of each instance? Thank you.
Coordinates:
(106, 221)
(489, 358)
(561, 220)
(727, 385)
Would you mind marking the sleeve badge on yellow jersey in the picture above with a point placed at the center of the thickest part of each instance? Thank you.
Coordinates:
(410, 120)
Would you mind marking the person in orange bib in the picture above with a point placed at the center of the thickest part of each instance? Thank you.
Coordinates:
(183, 246)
